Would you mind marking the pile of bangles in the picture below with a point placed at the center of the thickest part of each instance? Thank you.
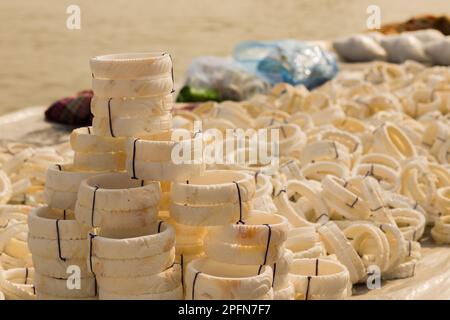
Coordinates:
(362, 169)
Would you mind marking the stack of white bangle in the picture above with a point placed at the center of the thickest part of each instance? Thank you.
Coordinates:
(97, 153)
(132, 94)
(207, 279)
(58, 245)
(166, 160)
(118, 205)
(257, 241)
(137, 268)
(320, 279)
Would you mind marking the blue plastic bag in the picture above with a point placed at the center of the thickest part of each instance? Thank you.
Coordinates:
(288, 61)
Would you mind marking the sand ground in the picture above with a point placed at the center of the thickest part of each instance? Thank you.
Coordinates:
(41, 60)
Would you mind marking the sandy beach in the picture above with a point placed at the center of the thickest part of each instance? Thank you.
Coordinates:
(41, 60)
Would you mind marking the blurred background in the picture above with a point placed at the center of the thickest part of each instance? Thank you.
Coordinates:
(41, 60)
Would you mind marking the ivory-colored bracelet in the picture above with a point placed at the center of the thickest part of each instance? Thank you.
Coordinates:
(117, 192)
(417, 182)
(127, 107)
(441, 230)
(175, 294)
(61, 269)
(134, 267)
(291, 169)
(443, 200)
(82, 140)
(130, 65)
(209, 279)
(210, 215)
(312, 192)
(291, 138)
(100, 162)
(58, 249)
(64, 177)
(319, 279)
(319, 170)
(302, 238)
(254, 232)
(410, 222)
(137, 87)
(161, 282)
(379, 252)
(115, 220)
(441, 173)
(164, 171)
(421, 102)
(5, 188)
(388, 178)
(340, 197)
(58, 287)
(60, 199)
(336, 243)
(17, 247)
(351, 141)
(376, 200)
(17, 284)
(285, 208)
(316, 251)
(379, 158)
(138, 127)
(215, 187)
(393, 141)
(159, 240)
(242, 255)
(325, 151)
(43, 222)
(263, 186)
(162, 151)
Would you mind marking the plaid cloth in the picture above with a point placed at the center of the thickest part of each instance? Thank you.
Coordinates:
(72, 110)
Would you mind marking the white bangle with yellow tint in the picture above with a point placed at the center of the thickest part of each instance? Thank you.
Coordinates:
(100, 162)
(130, 65)
(215, 187)
(255, 230)
(135, 247)
(116, 191)
(393, 141)
(82, 140)
(319, 279)
(136, 87)
(138, 127)
(47, 223)
(103, 107)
